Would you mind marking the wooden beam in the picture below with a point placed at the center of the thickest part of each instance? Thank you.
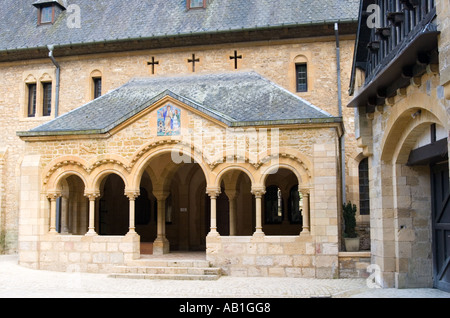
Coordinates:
(429, 154)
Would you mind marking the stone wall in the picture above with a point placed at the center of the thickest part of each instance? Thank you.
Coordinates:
(274, 60)
(400, 203)
(91, 254)
(443, 22)
(354, 264)
(275, 256)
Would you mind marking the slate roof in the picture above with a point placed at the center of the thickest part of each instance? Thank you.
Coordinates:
(111, 20)
(236, 99)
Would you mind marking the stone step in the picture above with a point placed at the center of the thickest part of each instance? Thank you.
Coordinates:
(166, 276)
(168, 263)
(167, 270)
(177, 269)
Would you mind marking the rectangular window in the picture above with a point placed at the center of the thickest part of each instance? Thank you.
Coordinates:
(46, 15)
(364, 196)
(47, 99)
(196, 4)
(302, 77)
(97, 87)
(31, 100)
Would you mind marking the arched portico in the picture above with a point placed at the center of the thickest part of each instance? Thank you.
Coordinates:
(179, 187)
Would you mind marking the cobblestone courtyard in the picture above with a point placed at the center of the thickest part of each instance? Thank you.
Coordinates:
(20, 282)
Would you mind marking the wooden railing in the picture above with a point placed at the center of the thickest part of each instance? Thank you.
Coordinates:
(400, 21)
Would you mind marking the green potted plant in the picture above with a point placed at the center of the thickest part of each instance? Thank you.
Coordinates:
(350, 236)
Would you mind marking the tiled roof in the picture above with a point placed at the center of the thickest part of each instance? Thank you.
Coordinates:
(109, 20)
(236, 99)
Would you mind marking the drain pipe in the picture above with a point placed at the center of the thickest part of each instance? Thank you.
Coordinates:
(342, 139)
(58, 74)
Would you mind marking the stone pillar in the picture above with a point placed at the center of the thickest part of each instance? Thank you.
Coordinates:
(213, 194)
(305, 211)
(258, 192)
(92, 197)
(232, 194)
(64, 215)
(132, 195)
(53, 197)
(161, 245)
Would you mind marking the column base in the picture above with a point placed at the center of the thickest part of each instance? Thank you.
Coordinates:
(213, 233)
(258, 233)
(132, 233)
(161, 246)
(305, 232)
(91, 233)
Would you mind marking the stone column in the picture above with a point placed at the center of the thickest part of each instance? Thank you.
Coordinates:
(161, 245)
(305, 211)
(132, 195)
(213, 194)
(92, 197)
(258, 192)
(53, 197)
(64, 215)
(232, 194)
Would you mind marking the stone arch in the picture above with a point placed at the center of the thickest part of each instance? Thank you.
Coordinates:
(403, 193)
(298, 165)
(410, 134)
(301, 58)
(59, 179)
(245, 168)
(45, 78)
(62, 168)
(153, 150)
(100, 173)
(417, 105)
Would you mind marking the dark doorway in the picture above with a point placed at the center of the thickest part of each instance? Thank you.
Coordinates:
(441, 225)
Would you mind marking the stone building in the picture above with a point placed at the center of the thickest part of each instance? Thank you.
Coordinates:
(401, 87)
(135, 127)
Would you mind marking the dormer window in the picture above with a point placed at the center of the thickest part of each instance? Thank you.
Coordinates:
(48, 10)
(196, 4)
(46, 15)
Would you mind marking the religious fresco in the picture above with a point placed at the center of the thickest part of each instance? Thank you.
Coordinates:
(168, 121)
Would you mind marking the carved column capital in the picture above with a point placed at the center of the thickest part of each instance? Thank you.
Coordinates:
(305, 191)
(53, 195)
(92, 196)
(213, 192)
(258, 192)
(132, 194)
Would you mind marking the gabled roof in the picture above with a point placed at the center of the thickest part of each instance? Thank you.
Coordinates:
(114, 20)
(39, 3)
(236, 99)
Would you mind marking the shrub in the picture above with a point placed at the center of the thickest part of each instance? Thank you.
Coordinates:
(349, 220)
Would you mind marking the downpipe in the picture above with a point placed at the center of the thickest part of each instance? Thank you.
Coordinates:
(58, 75)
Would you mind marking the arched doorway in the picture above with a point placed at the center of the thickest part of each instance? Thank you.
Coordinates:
(413, 200)
(177, 217)
(235, 204)
(282, 204)
(113, 207)
(72, 207)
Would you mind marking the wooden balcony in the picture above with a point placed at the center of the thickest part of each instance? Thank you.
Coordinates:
(396, 51)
